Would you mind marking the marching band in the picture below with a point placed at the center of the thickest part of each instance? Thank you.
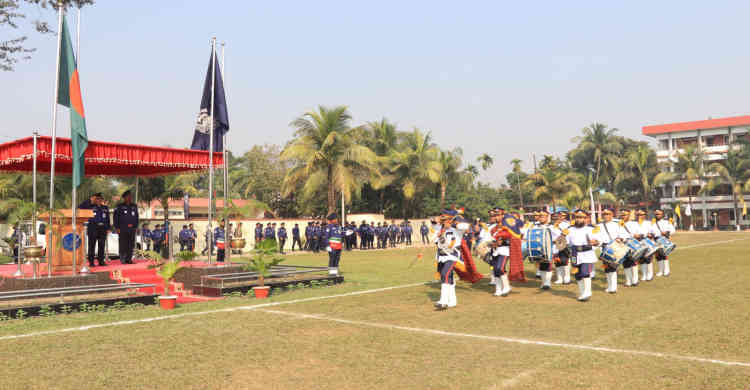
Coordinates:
(554, 244)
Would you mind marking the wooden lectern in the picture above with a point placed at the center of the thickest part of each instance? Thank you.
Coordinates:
(62, 254)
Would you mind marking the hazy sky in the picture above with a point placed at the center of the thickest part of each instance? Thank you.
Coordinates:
(505, 78)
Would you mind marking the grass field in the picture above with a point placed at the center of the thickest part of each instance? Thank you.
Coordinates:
(688, 331)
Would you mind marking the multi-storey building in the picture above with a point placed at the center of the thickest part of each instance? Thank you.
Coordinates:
(711, 137)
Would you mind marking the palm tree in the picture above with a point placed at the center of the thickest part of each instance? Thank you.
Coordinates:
(324, 155)
(602, 147)
(640, 165)
(517, 170)
(689, 169)
(553, 184)
(449, 161)
(485, 160)
(416, 165)
(734, 172)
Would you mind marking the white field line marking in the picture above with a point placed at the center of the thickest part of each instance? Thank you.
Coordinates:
(199, 313)
(508, 339)
(711, 243)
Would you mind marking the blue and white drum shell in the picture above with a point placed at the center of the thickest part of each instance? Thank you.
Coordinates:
(614, 254)
(539, 244)
(651, 246)
(666, 246)
(637, 250)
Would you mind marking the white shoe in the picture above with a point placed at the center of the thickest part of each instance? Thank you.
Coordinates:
(452, 300)
(644, 271)
(493, 280)
(559, 273)
(566, 279)
(546, 280)
(660, 267)
(498, 289)
(506, 285)
(581, 290)
(587, 288)
(650, 269)
(611, 282)
(593, 272)
(666, 267)
(333, 271)
(634, 270)
(628, 277)
(443, 301)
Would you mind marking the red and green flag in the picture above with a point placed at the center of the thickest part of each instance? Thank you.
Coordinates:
(69, 95)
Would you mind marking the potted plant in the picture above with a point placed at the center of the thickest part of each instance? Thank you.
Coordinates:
(263, 258)
(167, 269)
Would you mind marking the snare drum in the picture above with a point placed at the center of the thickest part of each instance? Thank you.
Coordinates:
(651, 246)
(666, 245)
(614, 254)
(539, 244)
(637, 250)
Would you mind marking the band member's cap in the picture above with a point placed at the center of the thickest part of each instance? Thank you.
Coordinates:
(126, 193)
(98, 195)
(544, 211)
(608, 211)
(580, 212)
(332, 216)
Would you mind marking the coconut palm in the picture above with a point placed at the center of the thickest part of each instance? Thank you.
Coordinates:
(733, 171)
(640, 165)
(553, 184)
(516, 163)
(416, 165)
(485, 160)
(600, 145)
(449, 161)
(324, 155)
(689, 168)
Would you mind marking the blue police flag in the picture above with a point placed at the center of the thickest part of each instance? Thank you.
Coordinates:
(201, 138)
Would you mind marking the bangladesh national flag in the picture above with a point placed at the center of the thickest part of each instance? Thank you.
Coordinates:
(69, 95)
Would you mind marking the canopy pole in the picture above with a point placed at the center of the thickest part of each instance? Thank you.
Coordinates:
(211, 155)
(51, 248)
(33, 187)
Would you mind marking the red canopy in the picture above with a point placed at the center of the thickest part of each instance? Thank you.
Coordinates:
(104, 158)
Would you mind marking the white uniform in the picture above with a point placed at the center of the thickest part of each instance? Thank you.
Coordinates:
(448, 250)
(608, 233)
(647, 266)
(579, 237)
(662, 227)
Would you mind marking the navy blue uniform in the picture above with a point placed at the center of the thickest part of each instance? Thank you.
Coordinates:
(333, 238)
(268, 233)
(126, 222)
(219, 235)
(424, 230)
(184, 238)
(191, 240)
(282, 239)
(296, 238)
(96, 230)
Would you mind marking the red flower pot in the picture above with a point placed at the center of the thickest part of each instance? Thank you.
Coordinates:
(261, 292)
(168, 302)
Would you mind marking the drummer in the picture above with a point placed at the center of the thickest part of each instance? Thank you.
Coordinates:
(582, 239)
(609, 232)
(646, 265)
(629, 228)
(545, 266)
(661, 228)
(562, 261)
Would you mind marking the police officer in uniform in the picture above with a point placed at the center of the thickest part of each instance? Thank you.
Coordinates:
(333, 238)
(282, 238)
(295, 237)
(126, 223)
(98, 225)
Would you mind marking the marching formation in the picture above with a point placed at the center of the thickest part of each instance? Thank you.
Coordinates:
(554, 243)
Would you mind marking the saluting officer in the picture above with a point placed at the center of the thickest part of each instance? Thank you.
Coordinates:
(126, 223)
(98, 225)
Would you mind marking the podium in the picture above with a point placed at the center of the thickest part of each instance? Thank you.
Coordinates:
(62, 253)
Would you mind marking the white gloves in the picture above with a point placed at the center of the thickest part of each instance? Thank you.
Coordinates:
(328, 248)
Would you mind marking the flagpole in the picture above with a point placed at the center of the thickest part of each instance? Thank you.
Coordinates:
(226, 172)
(84, 269)
(211, 153)
(50, 247)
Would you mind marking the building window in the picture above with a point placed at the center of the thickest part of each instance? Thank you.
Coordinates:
(664, 144)
(685, 142)
(716, 140)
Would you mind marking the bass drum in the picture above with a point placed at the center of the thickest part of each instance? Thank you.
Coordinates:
(539, 244)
